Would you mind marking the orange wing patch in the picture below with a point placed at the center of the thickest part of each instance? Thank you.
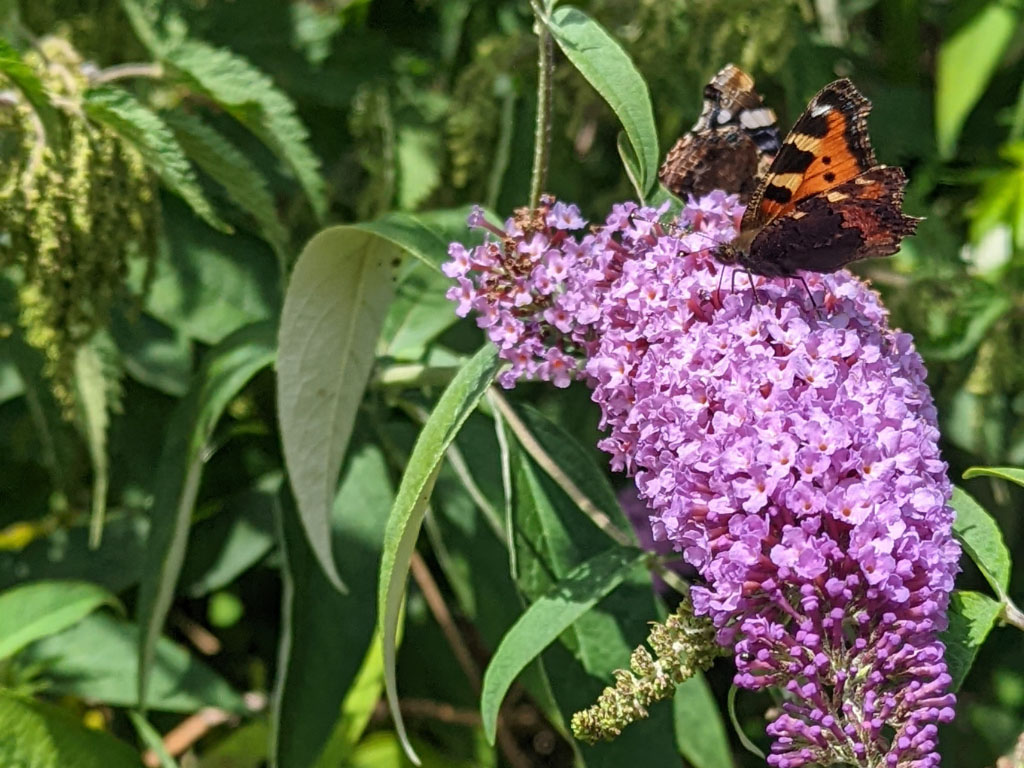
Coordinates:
(827, 146)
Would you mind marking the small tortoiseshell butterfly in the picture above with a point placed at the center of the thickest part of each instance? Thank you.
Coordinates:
(824, 201)
(730, 145)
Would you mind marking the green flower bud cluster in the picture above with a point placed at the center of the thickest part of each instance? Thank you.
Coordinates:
(73, 210)
(683, 644)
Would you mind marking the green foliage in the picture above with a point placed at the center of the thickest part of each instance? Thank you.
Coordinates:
(166, 167)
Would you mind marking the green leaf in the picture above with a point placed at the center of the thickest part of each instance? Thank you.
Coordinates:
(143, 129)
(149, 736)
(425, 236)
(1012, 474)
(700, 733)
(14, 68)
(607, 67)
(66, 554)
(971, 617)
(737, 727)
(546, 619)
(333, 311)
(229, 167)
(244, 747)
(43, 608)
(96, 660)
(967, 60)
(207, 284)
(225, 545)
(93, 416)
(419, 313)
(227, 369)
(153, 353)
(38, 735)
(251, 97)
(418, 154)
(454, 407)
(309, 709)
(982, 540)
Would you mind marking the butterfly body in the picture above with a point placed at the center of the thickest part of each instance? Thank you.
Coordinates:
(824, 201)
(729, 146)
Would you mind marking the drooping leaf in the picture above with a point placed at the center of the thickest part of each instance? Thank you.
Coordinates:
(96, 659)
(453, 408)
(34, 734)
(143, 129)
(226, 370)
(982, 540)
(253, 99)
(971, 617)
(333, 311)
(324, 629)
(700, 732)
(229, 167)
(14, 68)
(153, 353)
(91, 389)
(607, 67)
(1011, 474)
(42, 608)
(967, 60)
(545, 619)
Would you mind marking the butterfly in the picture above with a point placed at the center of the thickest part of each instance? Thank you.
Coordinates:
(730, 145)
(824, 200)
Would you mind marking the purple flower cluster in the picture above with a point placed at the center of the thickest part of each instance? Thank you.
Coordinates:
(787, 447)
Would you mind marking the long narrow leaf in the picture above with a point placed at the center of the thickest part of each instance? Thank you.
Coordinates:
(454, 407)
(229, 366)
(44, 608)
(546, 619)
(607, 67)
(1012, 474)
(333, 312)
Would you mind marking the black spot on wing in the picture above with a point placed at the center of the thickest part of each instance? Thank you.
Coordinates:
(792, 160)
(777, 194)
(812, 125)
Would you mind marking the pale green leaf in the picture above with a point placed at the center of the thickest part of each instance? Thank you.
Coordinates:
(967, 60)
(227, 369)
(34, 734)
(143, 129)
(982, 540)
(971, 617)
(229, 167)
(546, 619)
(453, 408)
(607, 67)
(1012, 474)
(338, 296)
(94, 419)
(39, 609)
(251, 97)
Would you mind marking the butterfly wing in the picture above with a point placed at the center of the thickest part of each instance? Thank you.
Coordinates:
(827, 146)
(858, 219)
(732, 140)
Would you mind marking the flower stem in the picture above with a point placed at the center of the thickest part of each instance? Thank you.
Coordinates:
(542, 134)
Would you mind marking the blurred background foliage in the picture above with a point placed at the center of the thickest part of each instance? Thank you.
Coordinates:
(261, 120)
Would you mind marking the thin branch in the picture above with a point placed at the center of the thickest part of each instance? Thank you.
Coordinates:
(549, 465)
(148, 70)
(435, 601)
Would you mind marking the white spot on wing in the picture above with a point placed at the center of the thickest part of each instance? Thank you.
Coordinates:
(757, 118)
(821, 109)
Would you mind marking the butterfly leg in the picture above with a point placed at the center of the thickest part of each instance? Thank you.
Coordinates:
(810, 295)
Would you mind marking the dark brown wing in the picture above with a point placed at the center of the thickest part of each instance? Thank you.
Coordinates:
(827, 146)
(732, 140)
(856, 220)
